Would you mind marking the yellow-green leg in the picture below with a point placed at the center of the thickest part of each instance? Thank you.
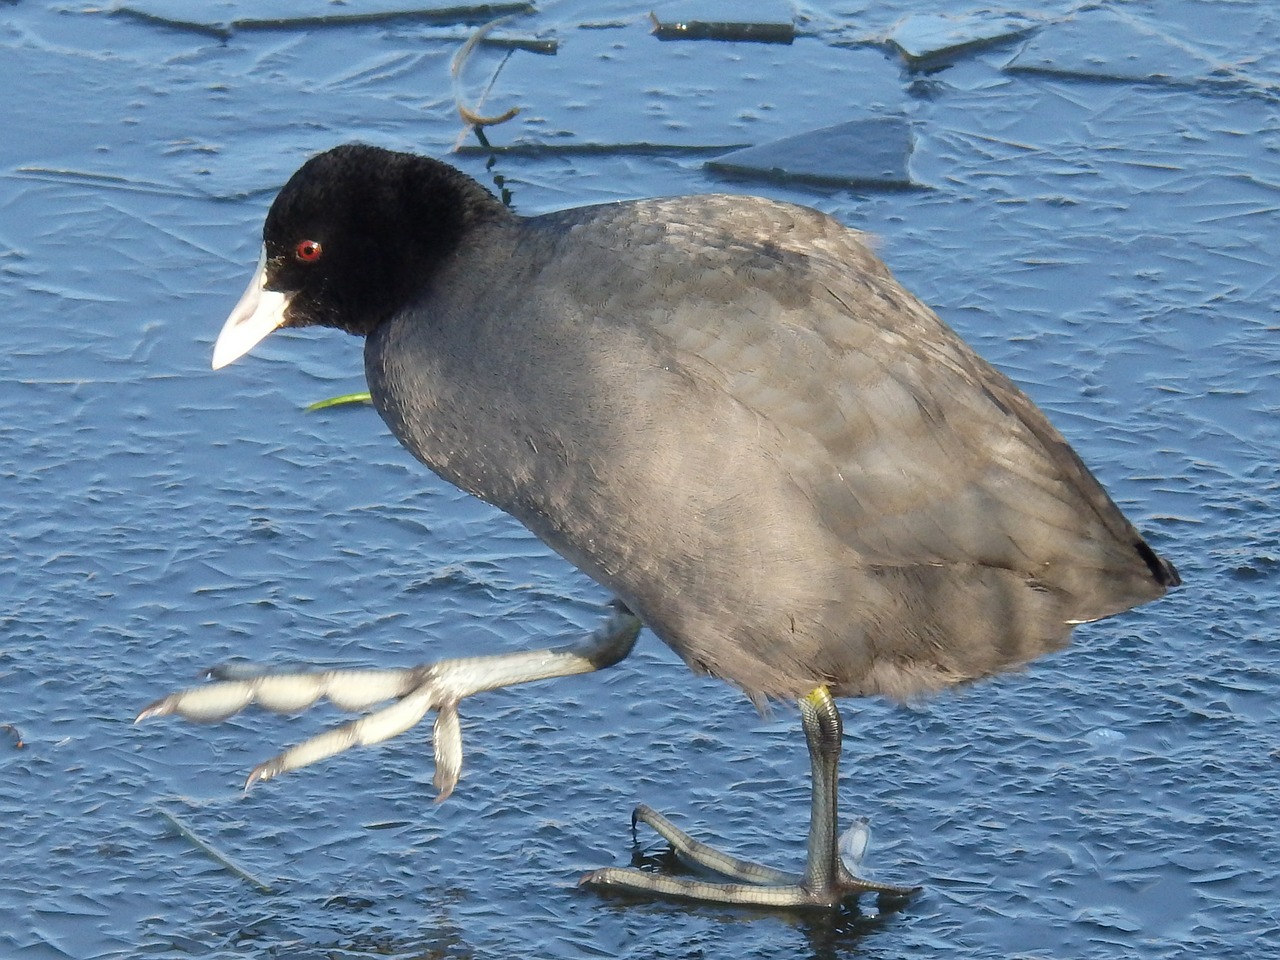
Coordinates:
(825, 882)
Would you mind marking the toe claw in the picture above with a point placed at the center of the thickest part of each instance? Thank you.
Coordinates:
(158, 708)
(262, 773)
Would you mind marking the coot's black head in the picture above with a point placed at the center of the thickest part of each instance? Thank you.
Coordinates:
(355, 235)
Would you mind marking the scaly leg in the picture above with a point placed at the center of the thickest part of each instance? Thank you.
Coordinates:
(825, 883)
(439, 686)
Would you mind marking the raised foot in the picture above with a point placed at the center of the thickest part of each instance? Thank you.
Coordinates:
(748, 884)
(414, 693)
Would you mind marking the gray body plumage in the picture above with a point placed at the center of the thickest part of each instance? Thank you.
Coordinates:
(727, 412)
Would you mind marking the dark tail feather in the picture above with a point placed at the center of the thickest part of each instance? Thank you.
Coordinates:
(1166, 573)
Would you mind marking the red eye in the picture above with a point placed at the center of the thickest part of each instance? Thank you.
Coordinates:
(308, 251)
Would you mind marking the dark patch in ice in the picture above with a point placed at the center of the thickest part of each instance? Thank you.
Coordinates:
(770, 21)
(224, 17)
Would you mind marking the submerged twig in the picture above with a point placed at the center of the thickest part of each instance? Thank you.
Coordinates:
(473, 118)
(731, 31)
(212, 853)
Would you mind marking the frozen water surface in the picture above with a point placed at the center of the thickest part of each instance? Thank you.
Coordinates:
(1098, 215)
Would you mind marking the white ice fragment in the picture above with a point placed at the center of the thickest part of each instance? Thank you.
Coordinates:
(853, 844)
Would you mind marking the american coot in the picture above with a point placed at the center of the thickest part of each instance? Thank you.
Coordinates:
(727, 412)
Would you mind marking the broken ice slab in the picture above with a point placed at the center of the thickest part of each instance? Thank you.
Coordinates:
(871, 152)
(620, 90)
(223, 17)
(767, 22)
(932, 39)
(1107, 45)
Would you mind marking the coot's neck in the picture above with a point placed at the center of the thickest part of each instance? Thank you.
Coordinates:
(442, 202)
(433, 210)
